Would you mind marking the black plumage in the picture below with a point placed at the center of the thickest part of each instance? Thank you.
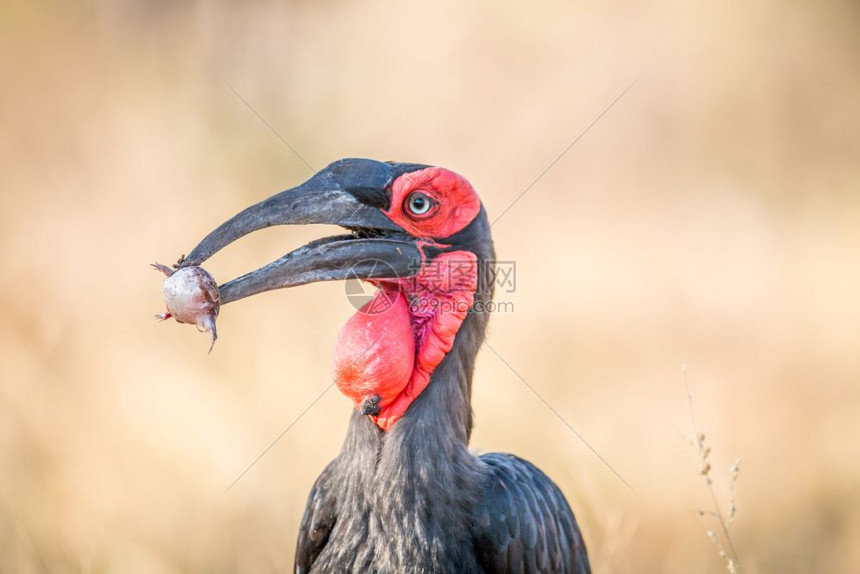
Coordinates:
(414, 499)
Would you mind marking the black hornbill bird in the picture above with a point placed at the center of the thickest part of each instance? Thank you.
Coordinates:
(405, 494)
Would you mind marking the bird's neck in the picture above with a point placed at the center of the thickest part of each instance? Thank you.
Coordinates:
(420, 470)
(415, 484)
(425, 454)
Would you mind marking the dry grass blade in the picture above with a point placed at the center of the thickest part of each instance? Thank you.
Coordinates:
(733, 565)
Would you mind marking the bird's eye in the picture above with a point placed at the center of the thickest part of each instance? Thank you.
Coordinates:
(419, 203)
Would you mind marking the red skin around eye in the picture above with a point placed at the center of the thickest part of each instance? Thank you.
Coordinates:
(457, 202)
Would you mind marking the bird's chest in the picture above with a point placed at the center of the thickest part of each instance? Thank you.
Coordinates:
(400, 531)
(363, 544)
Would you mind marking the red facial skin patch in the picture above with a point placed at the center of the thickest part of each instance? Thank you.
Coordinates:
(392, 353)
(456, 203)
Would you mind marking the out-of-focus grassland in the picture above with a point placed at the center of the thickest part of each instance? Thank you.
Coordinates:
(712, 217)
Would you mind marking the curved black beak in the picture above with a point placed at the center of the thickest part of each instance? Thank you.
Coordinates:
(348, 193)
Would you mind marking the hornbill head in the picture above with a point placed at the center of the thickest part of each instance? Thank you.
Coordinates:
(418, 233)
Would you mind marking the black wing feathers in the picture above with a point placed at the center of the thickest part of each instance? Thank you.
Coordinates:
(317, 523)
(524, 524)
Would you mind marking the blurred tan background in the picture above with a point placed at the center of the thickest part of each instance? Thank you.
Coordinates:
(712, 218)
